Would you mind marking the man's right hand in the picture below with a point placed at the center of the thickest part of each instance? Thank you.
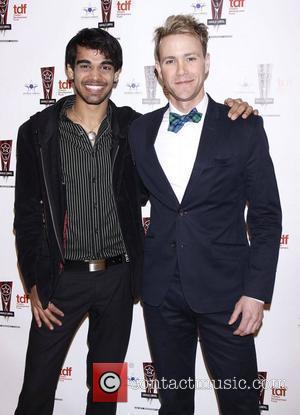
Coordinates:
(46, 316)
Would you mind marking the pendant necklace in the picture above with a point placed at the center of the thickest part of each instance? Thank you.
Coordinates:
(90, 132)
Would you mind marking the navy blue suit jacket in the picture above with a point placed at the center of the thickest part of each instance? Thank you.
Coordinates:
(206, 234)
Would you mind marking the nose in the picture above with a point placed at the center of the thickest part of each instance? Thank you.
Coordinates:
(94, 73)
(181, 68)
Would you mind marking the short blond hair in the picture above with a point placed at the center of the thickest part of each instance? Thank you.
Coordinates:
(181, 24)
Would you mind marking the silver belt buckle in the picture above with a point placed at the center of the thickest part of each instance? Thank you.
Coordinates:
(97, 265)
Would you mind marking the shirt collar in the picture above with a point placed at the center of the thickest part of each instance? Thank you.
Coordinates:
(66, 105)
(201, 106)
(70, 102)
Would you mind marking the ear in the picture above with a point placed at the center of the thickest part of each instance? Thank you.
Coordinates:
(116, 76)
(70, 73)
(158, 70)
(207, 63)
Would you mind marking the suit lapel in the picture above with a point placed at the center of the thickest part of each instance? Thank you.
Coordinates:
(160, 186)
(207, 147)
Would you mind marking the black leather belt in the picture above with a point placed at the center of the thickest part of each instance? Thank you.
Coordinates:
(95, 264)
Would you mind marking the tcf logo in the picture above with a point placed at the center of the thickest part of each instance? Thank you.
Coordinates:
(23, 301)
(279, 391)
(284, 241)
(124, 6)
(20, 11)
(65, 87)
(279, 394)
(66, 374)
(237, 3)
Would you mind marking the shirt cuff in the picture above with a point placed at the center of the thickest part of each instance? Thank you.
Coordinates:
(256, 299)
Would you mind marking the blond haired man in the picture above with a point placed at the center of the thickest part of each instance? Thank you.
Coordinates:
(202, 278)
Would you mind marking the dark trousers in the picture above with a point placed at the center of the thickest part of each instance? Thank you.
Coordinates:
(106, 297)
(173, 331)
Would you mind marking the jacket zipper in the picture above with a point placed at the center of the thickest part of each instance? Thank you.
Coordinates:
(50, 207)
(113, 192)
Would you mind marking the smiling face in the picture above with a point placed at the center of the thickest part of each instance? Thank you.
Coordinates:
(182, 69)
(93, 76)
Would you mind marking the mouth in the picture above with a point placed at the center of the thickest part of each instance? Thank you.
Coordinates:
(184, 82)
(94, 87)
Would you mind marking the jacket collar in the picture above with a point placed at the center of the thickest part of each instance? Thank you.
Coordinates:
(205, 153)
(47, 121)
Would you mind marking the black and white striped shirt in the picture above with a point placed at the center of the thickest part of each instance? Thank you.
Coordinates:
(93, 229)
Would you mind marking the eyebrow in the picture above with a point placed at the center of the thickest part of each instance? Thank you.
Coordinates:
(106, 62)
(185, 55)
(82, 61)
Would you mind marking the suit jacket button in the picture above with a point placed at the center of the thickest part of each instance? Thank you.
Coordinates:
(173, 244)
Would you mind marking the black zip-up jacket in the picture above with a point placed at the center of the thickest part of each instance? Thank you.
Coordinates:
(40, 201)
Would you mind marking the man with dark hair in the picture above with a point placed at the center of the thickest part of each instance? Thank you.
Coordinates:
(202, 278)
(78, 224)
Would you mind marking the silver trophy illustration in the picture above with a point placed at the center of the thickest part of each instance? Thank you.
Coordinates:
(264, 73)
(151, 84)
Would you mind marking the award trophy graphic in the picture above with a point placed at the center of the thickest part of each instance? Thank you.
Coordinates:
(47, 79)
(216, 10)
(264, 73)
(262, 378)
(106, 11)
(150, 380)
(151, 83)
(5, 290)
(3, 15)
(5, 152)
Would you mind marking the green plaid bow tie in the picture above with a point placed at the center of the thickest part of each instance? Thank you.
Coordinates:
(176, 121)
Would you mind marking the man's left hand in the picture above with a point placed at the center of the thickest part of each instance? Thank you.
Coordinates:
(252, 314)
(238, 108)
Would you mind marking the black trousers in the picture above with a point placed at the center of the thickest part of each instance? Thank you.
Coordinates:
(106, 297)
(173, 330)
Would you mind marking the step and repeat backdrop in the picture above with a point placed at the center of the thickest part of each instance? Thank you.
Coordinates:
(253, 46)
